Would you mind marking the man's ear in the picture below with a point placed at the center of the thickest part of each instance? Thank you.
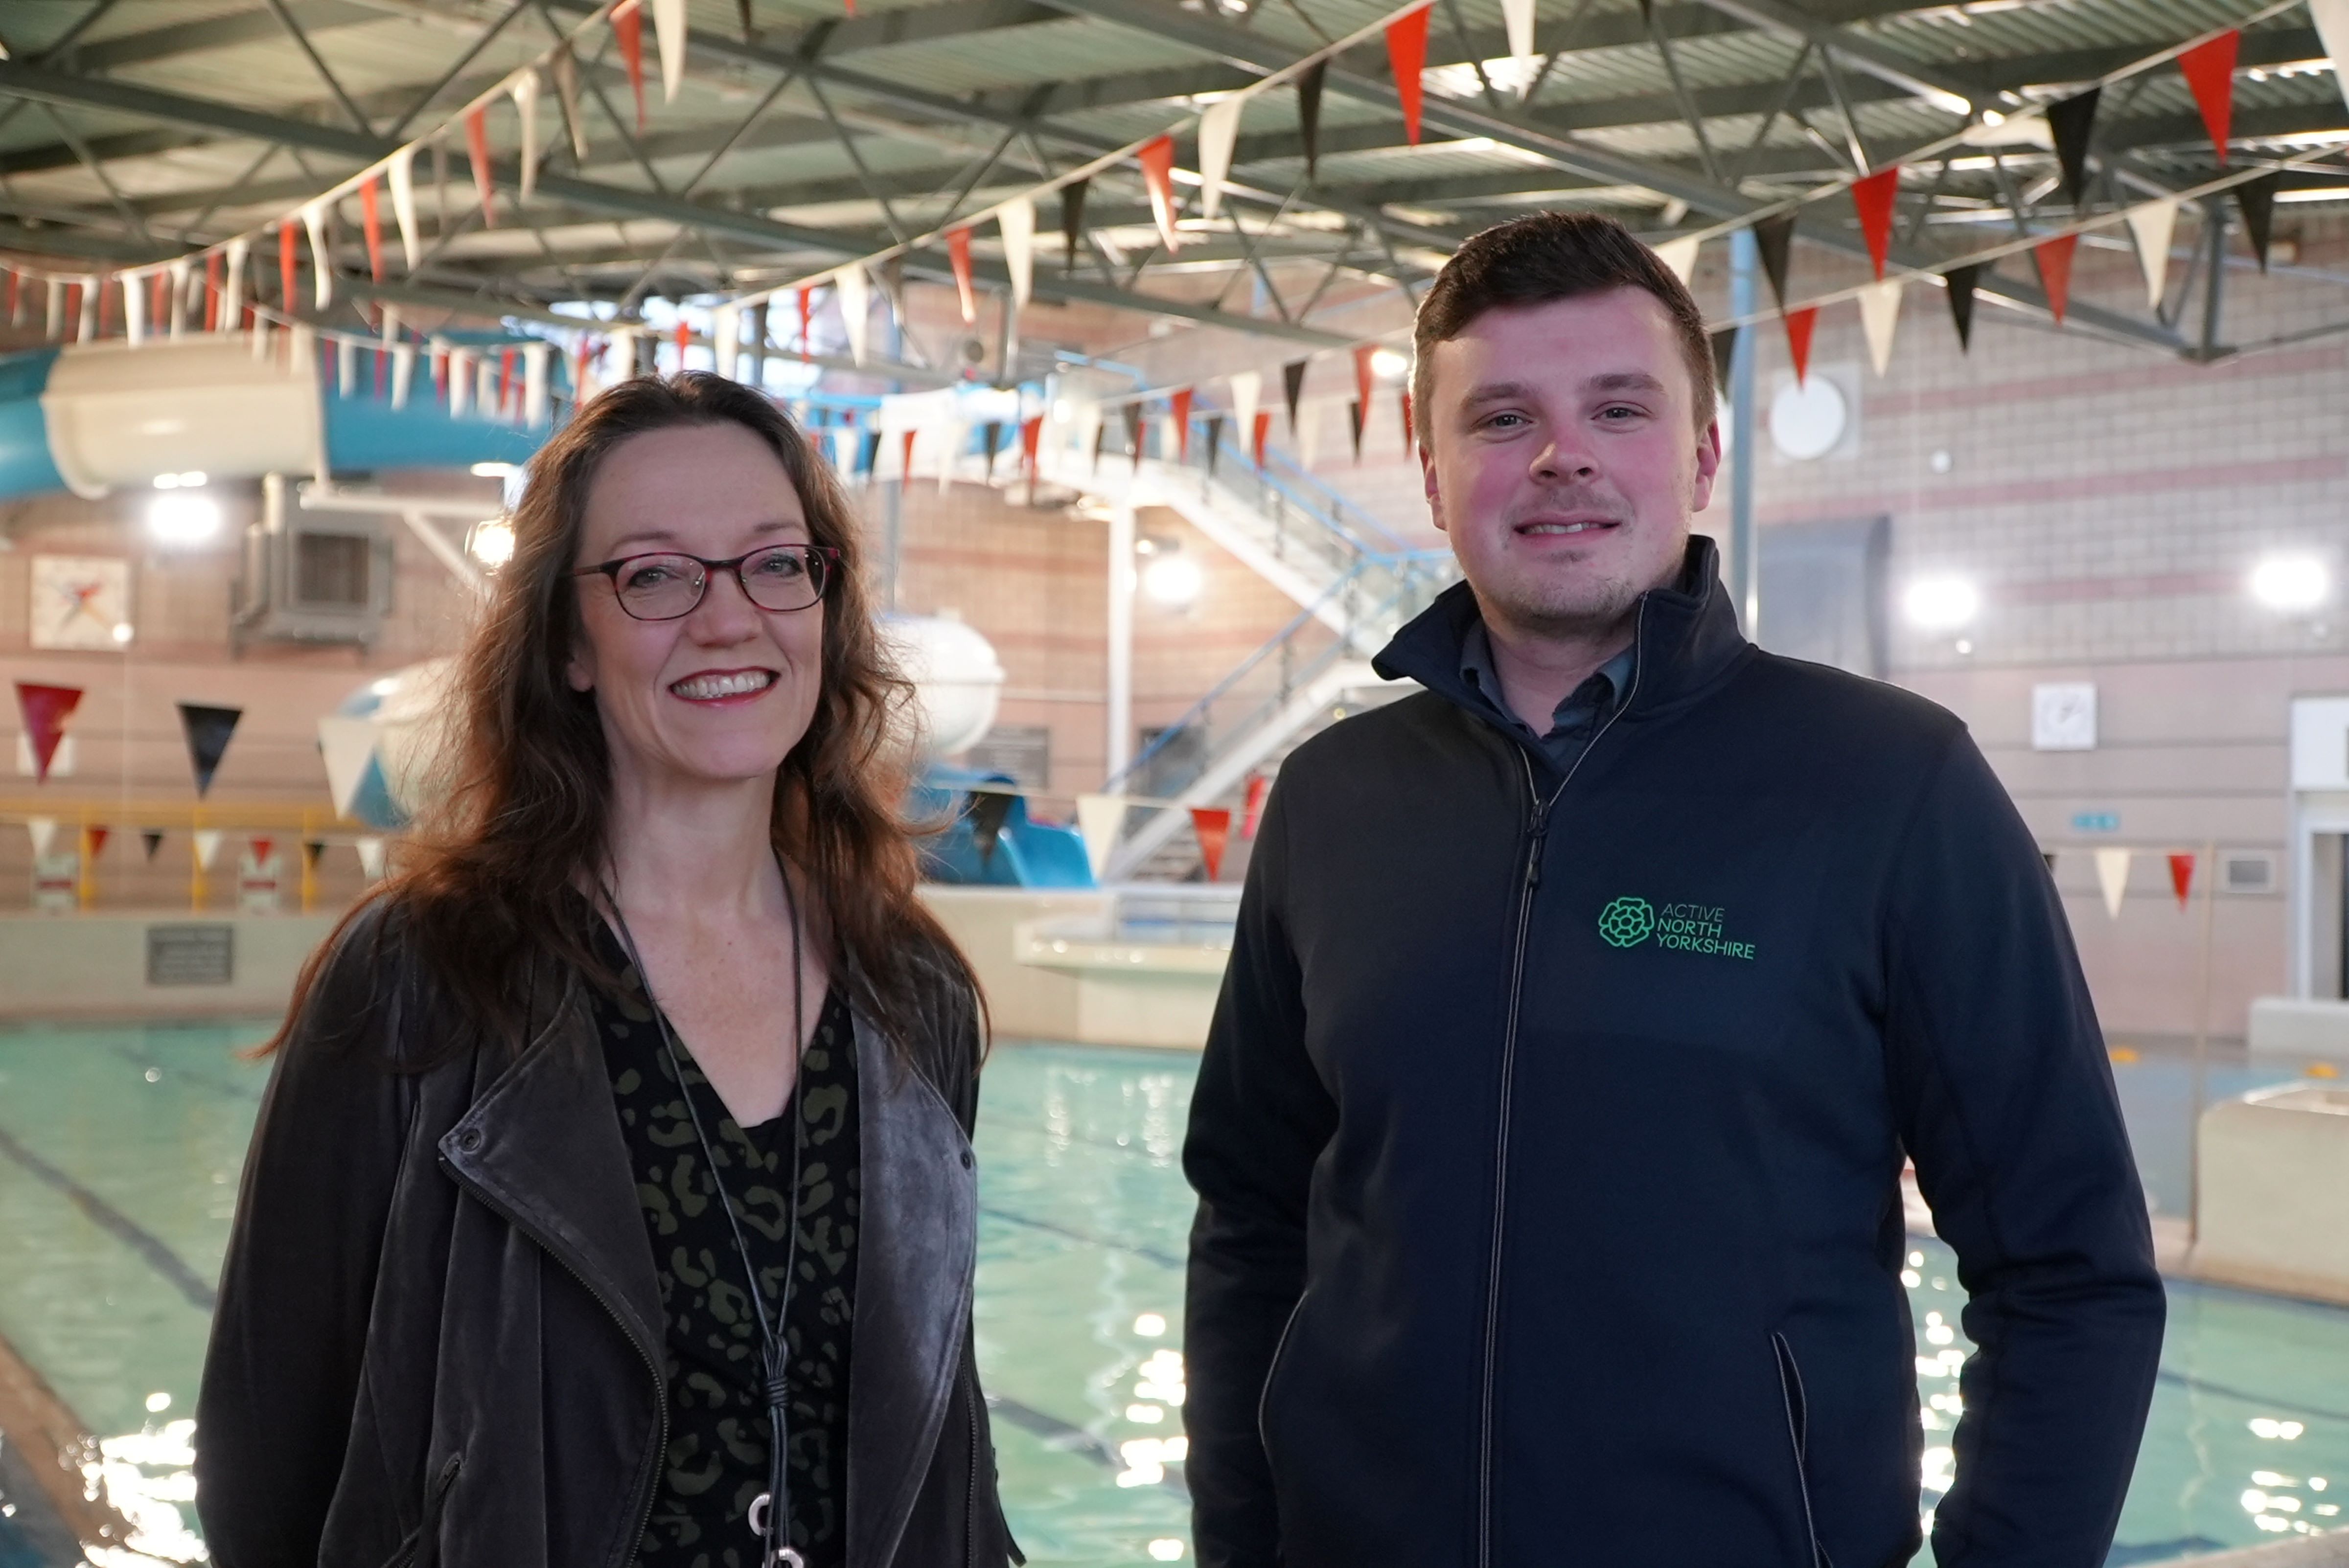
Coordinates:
(1434, 491)
(1708, 465)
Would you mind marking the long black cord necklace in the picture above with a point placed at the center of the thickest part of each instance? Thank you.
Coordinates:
(770, 1516)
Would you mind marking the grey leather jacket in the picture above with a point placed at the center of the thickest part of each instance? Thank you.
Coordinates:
(439, 1336)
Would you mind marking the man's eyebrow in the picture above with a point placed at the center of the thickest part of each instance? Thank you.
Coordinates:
(1624, 381)
(1498, 392)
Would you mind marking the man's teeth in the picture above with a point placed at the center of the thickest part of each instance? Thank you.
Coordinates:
(1562, 527)
(701, 688)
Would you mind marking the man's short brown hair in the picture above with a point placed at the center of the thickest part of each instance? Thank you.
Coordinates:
(1546, 256)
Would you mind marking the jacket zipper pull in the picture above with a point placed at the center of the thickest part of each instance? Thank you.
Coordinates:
(1534, 850)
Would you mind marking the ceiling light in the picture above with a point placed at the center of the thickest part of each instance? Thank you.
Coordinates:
(180, 518)
(490, 542)
(2290, 582)
(1387, 363)
(492, 471)
(1941, 604)
(1173, 580)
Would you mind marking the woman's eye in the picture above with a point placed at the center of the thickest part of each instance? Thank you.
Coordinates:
(644, 577)
(782, 565)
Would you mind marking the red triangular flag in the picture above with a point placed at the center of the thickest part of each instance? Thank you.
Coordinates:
(1263, 430)
(684, 341)
(1407, 57)
(98, 837)
(2054, 258)
(1875, 197)
(372, 219)
(906, 459)
(45, 709)
(1364, 353)
(1799, 325)
(1213, 826)
(288, 267)
(1181, 399)
(1258, 787)
(1032, 433)
(1156, 157)
(958, 253)
(260, 847)
(477, 149)
(628, 30)
(2181, 877)
(807, 307)
(2209, 70)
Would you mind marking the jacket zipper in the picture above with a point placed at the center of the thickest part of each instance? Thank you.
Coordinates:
(1798, 1430)
(1272, 1370)
(644, 1491)
(971, 1493)
(1535, 842)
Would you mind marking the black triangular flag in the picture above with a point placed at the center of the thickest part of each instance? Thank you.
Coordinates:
(208, 731)
(1072, 221)
(1354, 418)
(1293, 381)
(311, 849)
(2070, 124)
(991, 435)
(152, 838)
(2257, 198)
(1100, 437)
(1775, 238)
(2049, 856)
(1960, 281)
(1214, 438)
(1309, 111)
(1725, 350)
(988, 807)
(1133, 433)
(868, 453)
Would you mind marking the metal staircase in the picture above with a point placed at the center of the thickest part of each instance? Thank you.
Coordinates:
(1353, 582)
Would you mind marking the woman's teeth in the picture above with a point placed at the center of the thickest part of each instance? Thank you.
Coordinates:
(700, 688)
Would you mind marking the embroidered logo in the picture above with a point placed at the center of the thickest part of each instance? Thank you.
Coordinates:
(1628, 922)
(1677, 927)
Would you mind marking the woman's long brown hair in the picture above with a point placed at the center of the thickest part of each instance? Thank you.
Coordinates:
(490, 883)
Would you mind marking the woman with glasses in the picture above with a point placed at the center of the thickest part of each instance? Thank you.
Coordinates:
(611, 1199)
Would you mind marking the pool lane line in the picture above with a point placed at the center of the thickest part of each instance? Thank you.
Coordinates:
(52, 1442)
(1057, 1434)
(149, 1247)
(2187, 1380)
(1151, 1255)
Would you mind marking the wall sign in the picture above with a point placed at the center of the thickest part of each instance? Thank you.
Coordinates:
(191, 954)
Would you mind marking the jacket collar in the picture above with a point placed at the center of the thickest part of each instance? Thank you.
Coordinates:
(1687, 640)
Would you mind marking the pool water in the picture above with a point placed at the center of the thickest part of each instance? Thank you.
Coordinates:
(119, 1150)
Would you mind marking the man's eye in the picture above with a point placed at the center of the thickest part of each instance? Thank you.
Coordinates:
(1620, 411)
(1495, 422)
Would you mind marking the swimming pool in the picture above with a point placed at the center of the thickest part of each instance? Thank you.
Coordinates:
(119, 1150)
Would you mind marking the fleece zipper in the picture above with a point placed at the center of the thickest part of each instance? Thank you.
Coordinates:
(1536, 836)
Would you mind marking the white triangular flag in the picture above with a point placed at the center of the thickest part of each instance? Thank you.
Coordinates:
(403, 374)
(2112, 876)
(668, 31)
(1308, 433)
(322, 266)
(622, 353)
(1100, 819)
(460, 382)
(1679, 255)
(349, 745)
(1880, 319)
(1219, 129)
(87, 329)
(1517, 16)
(525, 96)
(725, 337)
(853, 291)
(485, 388)
(2332, 19)
(2151, 223)
(950, 453)
(371, 848)
(207, 843)
(1247, 390)
(402, 172)
(347, 367)
(536, 402)
(179, 297)
(43, 829)
(232, 293)
(1017, 218)
(843, 447)
(134, 307)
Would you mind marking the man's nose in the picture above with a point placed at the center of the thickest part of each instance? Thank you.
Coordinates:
(1563, 461)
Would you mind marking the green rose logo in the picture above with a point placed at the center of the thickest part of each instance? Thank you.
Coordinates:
(1627, 922)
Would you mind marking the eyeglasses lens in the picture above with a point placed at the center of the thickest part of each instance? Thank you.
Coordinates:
(664, 587)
